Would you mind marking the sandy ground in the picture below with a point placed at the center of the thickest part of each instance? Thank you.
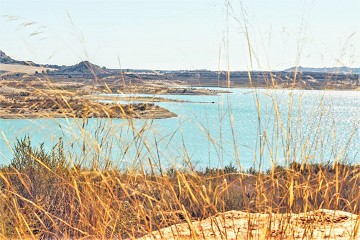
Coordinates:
(21, 68)
(321, 224)
(29, 96)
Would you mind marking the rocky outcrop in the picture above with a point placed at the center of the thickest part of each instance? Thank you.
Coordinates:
(82, 69)
(8, 60)
(5, 59)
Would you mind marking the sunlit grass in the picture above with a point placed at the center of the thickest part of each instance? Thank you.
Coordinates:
(83, 189)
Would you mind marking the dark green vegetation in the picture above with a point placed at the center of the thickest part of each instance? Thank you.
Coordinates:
(43, 194)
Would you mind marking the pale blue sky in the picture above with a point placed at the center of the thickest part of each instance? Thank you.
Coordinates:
(183, 34)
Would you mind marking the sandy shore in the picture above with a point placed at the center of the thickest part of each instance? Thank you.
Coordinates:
(135, 111)
(32, 97)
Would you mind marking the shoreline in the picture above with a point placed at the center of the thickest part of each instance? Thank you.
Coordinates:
(274, 88)
(27, 97)
(133, 111)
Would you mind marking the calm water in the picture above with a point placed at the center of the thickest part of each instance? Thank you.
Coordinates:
(242, 128)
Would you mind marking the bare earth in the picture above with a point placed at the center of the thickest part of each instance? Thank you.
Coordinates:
(15, 68)
(320, 224)
(28, 97)
(38, 96)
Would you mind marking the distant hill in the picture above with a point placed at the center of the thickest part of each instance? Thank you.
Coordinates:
(342, 70)
(5, 59)
(82, 68)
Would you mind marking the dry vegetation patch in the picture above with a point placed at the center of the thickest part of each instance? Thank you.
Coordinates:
(44, 195)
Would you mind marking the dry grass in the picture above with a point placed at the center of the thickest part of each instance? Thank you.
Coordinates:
(43, 195)
(51, 194)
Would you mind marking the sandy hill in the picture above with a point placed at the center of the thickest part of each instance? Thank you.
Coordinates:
(320, 224)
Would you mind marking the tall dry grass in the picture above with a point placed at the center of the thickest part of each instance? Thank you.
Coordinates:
(53, 194)
(42, 195)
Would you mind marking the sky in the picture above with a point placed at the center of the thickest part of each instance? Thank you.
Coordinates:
(183, 34)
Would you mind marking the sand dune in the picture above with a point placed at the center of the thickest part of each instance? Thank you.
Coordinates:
(320, 224)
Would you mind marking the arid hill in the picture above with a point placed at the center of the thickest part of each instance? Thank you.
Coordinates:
(84, 68)
(8, 60)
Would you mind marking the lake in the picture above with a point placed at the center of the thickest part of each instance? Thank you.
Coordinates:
(248, 128)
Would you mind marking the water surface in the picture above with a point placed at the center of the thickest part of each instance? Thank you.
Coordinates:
(248, 128)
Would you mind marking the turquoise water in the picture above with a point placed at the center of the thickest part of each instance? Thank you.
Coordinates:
(242, 128)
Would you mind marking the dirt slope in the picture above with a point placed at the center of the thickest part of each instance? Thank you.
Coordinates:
(321, 224)
(16, 68)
